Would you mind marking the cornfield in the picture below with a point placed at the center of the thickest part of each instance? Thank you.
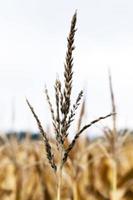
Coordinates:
(60, 168)
(88, 173)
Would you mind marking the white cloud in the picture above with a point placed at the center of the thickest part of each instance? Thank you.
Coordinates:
(32, 50)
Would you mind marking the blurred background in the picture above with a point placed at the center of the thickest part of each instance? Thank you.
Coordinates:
(32, 52)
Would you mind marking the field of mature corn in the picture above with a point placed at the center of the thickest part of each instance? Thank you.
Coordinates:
(88, 174)
(57, 168)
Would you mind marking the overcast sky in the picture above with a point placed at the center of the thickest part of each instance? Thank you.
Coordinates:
(32, 51)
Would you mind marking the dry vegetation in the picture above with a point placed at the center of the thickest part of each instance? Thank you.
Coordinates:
(88, 174)
(62, 169)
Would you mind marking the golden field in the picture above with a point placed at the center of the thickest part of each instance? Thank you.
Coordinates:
(88, 174)
(57, 168)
